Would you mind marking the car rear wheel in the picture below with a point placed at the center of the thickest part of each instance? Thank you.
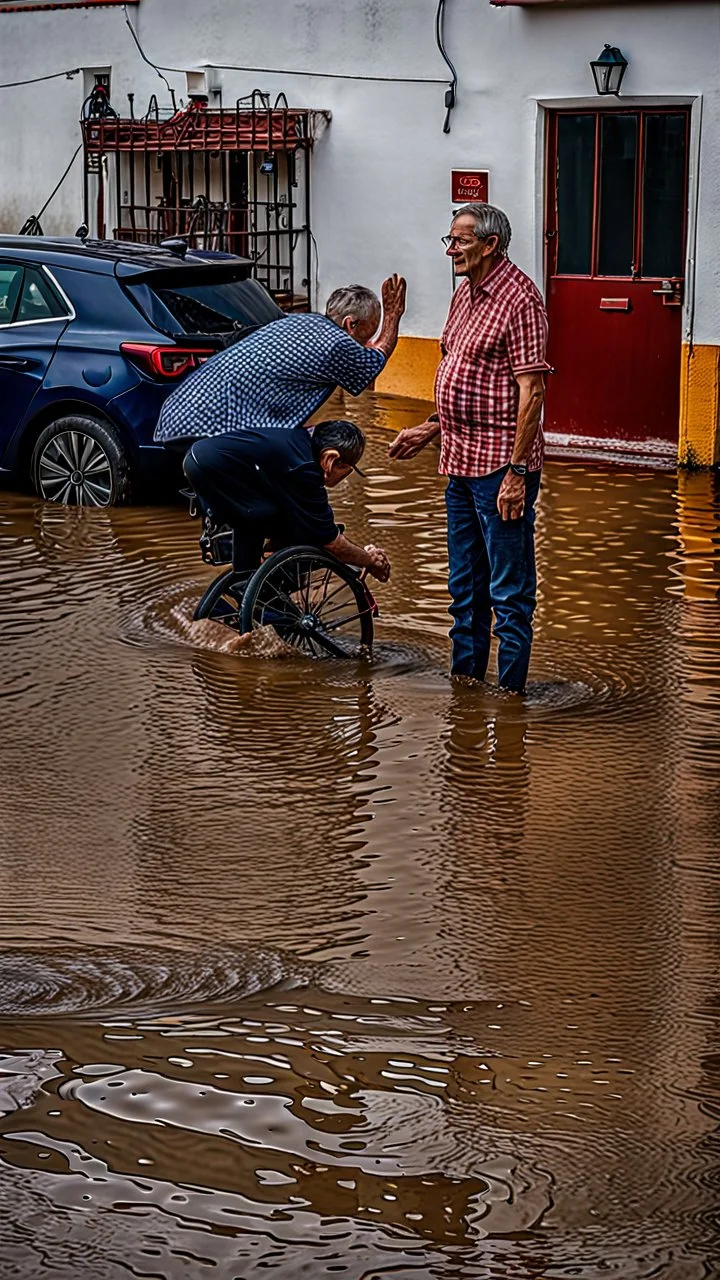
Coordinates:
(80, 462)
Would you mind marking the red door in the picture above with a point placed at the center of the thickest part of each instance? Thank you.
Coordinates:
(616, 220)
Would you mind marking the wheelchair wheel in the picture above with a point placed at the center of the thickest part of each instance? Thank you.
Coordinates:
(313, 602)
(222, 600)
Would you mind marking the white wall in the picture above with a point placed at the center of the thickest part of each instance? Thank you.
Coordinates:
(381, 194)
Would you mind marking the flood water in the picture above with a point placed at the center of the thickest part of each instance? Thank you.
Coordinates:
(317, 969)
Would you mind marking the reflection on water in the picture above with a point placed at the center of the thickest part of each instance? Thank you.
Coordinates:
(349, 970)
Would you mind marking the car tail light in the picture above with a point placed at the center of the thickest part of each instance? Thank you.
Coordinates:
(165, 362)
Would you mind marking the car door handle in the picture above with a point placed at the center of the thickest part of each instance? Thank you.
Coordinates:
(16, 362)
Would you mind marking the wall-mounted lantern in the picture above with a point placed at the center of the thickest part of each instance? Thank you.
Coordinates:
(609, 70)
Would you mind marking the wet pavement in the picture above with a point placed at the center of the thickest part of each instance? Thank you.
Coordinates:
(323, 969)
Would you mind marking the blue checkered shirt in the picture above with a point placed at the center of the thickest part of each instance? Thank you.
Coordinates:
(278, 376)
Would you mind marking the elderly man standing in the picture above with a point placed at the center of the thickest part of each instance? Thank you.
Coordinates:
(489, 396)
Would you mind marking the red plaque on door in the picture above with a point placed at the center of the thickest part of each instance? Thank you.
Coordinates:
(468, 185)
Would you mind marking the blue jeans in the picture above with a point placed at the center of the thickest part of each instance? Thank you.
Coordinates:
(492, 569)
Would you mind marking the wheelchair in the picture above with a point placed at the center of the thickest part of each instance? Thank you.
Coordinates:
(313, 602)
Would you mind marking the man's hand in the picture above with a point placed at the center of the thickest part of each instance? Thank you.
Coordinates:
(511, 498)
(412, 439)
(394, 294)
(379, 565)
(372, 559)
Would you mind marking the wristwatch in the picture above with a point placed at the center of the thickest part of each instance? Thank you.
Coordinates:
(518, 468)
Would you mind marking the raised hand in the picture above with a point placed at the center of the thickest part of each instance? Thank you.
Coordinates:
(394, 296)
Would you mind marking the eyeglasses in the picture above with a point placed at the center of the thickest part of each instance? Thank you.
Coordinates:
(452, 242)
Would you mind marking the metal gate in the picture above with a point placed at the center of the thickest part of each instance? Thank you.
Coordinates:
(235, 180)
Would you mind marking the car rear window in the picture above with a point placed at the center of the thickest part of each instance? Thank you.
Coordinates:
(212, 307)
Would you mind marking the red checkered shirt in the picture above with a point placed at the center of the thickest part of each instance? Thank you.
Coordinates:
(492, 333)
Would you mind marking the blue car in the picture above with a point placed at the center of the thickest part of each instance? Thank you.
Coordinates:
(93, 336)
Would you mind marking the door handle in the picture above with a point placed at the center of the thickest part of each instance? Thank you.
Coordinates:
(671, 293)
(15, 362)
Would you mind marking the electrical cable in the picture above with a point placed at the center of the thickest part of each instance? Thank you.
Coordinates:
(32, 226)
(97, 106)
(319, 75)
(451, 94)
(149, 61)
(314, 243)
(56, 75)
(277, 71)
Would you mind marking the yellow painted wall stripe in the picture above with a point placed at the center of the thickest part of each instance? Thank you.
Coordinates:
(411, 370)
(699, 408)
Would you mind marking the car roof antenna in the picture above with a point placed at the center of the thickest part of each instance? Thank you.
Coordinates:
(82, 231)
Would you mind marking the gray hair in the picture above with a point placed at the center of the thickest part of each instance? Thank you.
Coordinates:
(489, 221)
(353, 300)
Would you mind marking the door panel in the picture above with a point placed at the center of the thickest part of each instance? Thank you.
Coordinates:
(576, 162)
(30, 328)
(615, 229)
(664, 197)
(616, 214)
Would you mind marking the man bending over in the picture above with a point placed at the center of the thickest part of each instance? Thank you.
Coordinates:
(273, 484)
(281, 374)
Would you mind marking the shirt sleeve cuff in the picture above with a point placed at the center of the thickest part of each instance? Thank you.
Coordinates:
(539, 366)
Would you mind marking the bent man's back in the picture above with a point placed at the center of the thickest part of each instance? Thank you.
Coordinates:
(277, 377)
(266, 479)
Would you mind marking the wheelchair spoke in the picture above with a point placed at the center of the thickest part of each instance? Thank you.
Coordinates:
(342, 586)
(317, 589)
(330, 646)
(343, 622)
(286, 602)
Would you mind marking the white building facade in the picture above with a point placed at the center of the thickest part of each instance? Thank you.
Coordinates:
(613, 200)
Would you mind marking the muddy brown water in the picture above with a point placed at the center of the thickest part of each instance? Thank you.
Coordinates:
(312, 969)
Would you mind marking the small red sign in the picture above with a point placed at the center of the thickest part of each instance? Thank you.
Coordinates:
(469, 185)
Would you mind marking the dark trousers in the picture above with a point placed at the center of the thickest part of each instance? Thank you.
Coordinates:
(234, 492)
(492, 570)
